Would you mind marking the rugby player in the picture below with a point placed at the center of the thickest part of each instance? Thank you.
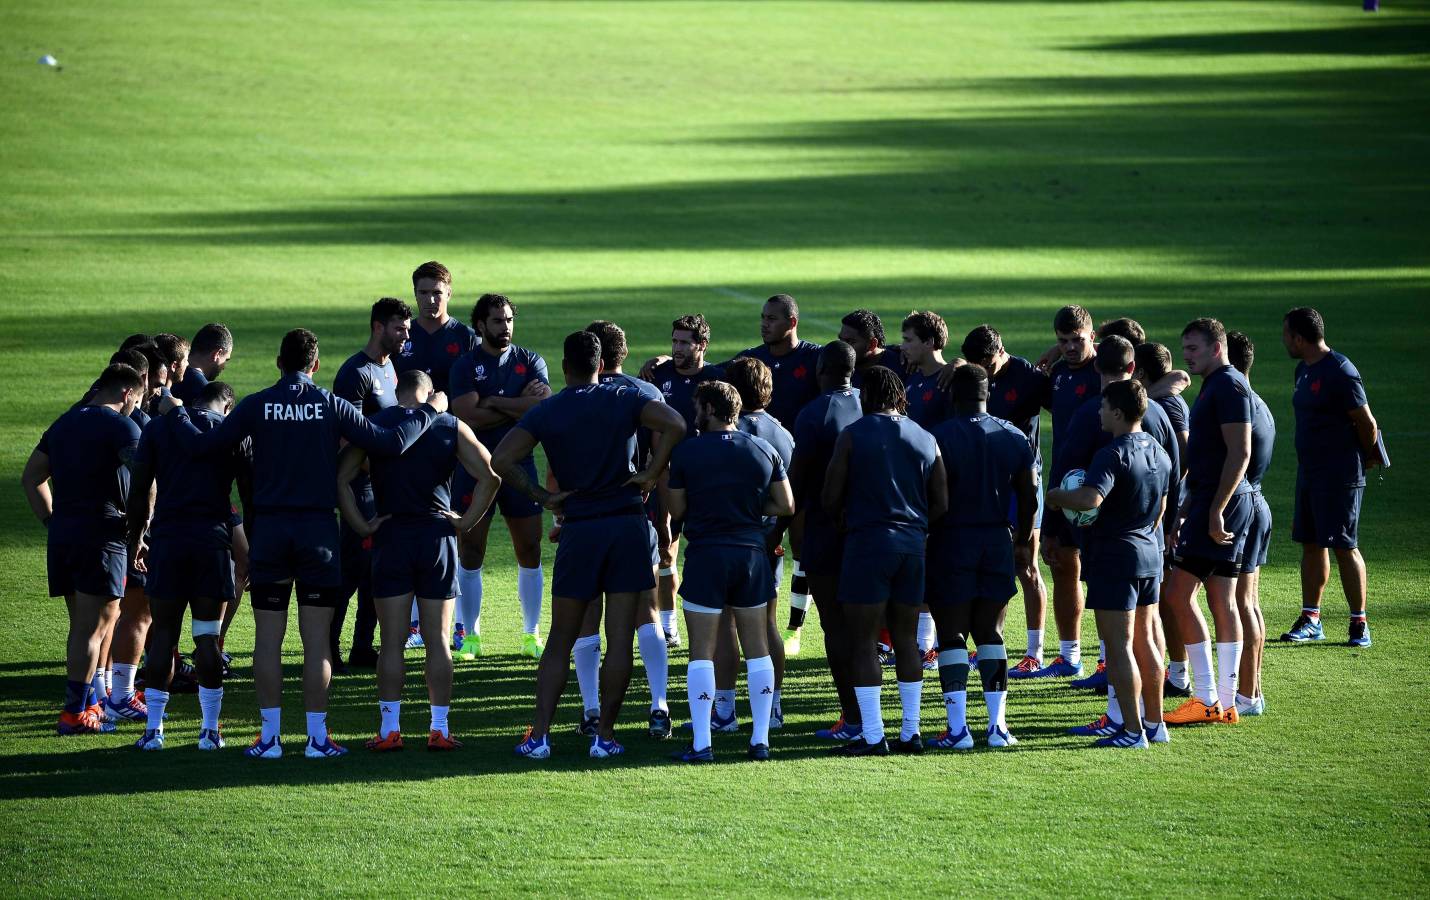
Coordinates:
(492, 387)
(367, 380)
(414, 548)
(588, 432)
(189, 555)
(816, 430)
(863, 331)
(1336, 441)
(925, 334)
(296, 427)
(87, 452)
(971, 559)
(886, 478)
(723, 483)
(437, 340)
(175, 352)
(209, 351)
(1215, 521)
(1017, 393)
(1127, 483)
(1249, 699)
(677, 378)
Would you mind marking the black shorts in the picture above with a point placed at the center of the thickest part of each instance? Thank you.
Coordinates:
(418, 558)
(182, 568)
(606, 555)
(304, 547)
(967, 564)
(717, 577)
(1125, 594)
(1327, 517)
(85, 565)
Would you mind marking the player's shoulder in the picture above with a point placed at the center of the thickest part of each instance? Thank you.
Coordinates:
(1344, 365)
(711, 373)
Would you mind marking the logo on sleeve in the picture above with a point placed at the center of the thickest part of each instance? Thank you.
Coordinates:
(481, 373)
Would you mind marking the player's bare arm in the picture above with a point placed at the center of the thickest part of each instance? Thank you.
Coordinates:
(36, 482)
(670, 428)
(478, 463)
(1237, 436)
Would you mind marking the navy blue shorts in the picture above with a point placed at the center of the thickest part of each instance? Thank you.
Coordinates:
(717, 577)
(881, 576)
(1057, 526)
(606, 555)
(1124, 594)
(511, 502)
(1193, 542)
(1326, 516)
(357, 551)
(1037, 510)
(183, 568)
(654, 544)
(415, 557)
(822, 553)
(1258, 540)
(967, 564)
(85, 565)
(302, 546)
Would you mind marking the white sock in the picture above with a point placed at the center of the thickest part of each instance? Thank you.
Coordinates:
(1114, 712)
(725, 703)
(317, 727)
(760, 675)
(391, 717)
(439, 719)
(667, 623)
(124, 681)
(955, 703)
(271, 727)
(1228, 660)
(776, 709)
(529, 588)
(927, 635)
(1101, 650)
(210, 702)
(1177, 673)
(109, 681)
(1035, 644)
(415, 617)
(587, 654)
(869, 711)
(156, 700)
(1071, 652)
(469, 600)
(1241, 699)
(700, 688)
(657, 663)
(96, 684)
(996, 701)
(910, 697)
(1199, 660)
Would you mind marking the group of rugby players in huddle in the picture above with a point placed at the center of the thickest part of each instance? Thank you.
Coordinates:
(909, 488)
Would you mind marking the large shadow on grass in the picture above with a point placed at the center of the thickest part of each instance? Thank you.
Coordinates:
(1284, 169)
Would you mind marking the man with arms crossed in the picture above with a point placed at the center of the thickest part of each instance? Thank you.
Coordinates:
(1336, 441)
(722, 483)
(887, 479)
(1127, 484)
(588, 431)
(414, 548)
(492, 387)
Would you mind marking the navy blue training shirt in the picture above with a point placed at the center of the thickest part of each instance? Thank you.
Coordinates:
(1069, 389)
(793, 377)
(650, 393)
(435, 352)
(766, 427)
(928, 404)
(982, 455)
(295, 426)
(193, 491)
(1225, 399)
(679, 390)
(1132, 474)
(1084, 437)
(1019, 393)
(815, 431)
(726, 476)
(418, 484)
(891, 358)
(1327, 447)
(367, 384)
(1263, 441)
(886, 496)
(589, 435)
(1176, 409)
(493, 376)
(188, 390)
(89, 448)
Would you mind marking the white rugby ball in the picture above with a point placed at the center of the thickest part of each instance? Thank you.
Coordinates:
(1080, 517)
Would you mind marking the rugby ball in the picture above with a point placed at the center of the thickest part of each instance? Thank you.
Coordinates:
(1071, 482)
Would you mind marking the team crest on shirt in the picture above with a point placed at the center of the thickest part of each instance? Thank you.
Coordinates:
(1080, 390)
(799, 372)
(452, 349)
(406, 349)
(519, 369)
(1316, 386)
(295, 387)
(928, 396)
(481, 373)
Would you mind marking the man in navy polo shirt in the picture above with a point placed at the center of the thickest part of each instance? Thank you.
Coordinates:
(436, 340)
(1127, 483)
(209, 351)
(887, 479)
(863, 330)
(492, 387)
(368, 381)
(1336, 439)
(86, 453)
(971, 558)
(588, 432)
(723, 483)
(1215, 521)
(296, 428)
(1249, 699)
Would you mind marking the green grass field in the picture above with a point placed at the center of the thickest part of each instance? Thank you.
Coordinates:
(281, 164)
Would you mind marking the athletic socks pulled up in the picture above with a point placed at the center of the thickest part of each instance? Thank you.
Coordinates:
(953, 678)
(318, 727)
(1071, 652)
(587, 656)
(1199, 661)
(156, 700)
(656, 658)
(1035, 644)
(667, 623)
(76, 693)
(391, 711)
(529, 589)
(910, 700)
(870, 713)
(760, 674)
(271, 723)
(124, 682)
(439, 720)
(926, 636)
(210, 704)
(725, 703)
(700, 689)
(1228, 658)
(469, 599)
